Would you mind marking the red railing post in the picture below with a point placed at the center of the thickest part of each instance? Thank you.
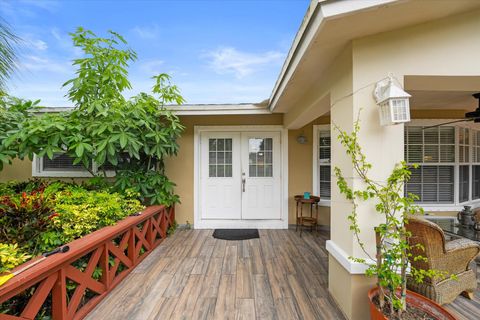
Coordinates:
(59, 297)
(172, 214)
(150, 236)
(105, 265)
(131, 246)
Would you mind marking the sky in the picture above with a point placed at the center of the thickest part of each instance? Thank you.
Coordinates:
(216, 51)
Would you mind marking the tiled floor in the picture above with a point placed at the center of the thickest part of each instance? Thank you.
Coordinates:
(191, 275)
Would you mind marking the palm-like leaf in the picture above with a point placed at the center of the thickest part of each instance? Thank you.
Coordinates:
(8, 53)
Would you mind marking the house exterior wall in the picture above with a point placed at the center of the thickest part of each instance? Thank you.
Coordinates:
(180, 169)
(443, 47)
(428, 49)
(19, 170)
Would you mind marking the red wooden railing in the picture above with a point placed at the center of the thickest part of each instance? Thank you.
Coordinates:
(60, 288)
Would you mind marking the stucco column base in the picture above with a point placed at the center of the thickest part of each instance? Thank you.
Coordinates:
(349, 290)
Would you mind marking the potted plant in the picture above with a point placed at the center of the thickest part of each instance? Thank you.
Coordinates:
(389, 299)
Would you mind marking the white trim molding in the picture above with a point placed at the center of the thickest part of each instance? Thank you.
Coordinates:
(219, 223)
(343, 258)
(218, 109)
(196, 109)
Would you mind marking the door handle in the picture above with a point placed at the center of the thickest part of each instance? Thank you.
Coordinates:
(243, 182)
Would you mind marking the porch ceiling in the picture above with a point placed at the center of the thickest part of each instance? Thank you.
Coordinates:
(440, 92)
(333, 24)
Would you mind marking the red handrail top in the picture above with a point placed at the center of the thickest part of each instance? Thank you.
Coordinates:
(78, 248)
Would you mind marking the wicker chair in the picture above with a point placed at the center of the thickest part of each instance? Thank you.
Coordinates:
(453, 257)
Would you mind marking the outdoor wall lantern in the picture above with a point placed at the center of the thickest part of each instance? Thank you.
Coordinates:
(301, 139)
(393, 102)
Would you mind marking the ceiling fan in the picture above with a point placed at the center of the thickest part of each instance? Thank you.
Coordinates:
(469, 116)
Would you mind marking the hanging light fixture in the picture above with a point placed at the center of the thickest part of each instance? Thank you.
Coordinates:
(393, 102)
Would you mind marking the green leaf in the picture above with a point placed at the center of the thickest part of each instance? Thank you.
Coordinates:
(79, 150)
(123, 140)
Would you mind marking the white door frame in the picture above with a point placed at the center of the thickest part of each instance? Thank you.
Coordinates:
(239, 224)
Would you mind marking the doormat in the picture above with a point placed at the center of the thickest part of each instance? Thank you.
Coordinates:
(236, 234)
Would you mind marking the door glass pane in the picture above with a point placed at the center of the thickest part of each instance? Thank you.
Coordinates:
(260, 157)
(220, 171)
(219, 160)
(228, 144)
(228, 170)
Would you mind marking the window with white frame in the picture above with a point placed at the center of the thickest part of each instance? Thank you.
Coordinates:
(62, 165)
(449, 164)
(322, 167)
(475, 164)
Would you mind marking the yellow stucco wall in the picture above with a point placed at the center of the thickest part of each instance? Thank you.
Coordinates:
(300, 168)
(19, 170)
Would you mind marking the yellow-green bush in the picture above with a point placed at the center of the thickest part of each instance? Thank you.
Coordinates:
(79, 212)
(11, 256)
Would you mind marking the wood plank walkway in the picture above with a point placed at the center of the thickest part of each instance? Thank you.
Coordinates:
(191, 275)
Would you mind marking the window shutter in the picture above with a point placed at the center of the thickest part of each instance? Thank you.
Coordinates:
(414, 142)
(431, 138)
(123, 160)
(324, 168)
(446, 180)
(325, 183)
(475, 182)
(463, 176)
(60, 162)
(324, 146)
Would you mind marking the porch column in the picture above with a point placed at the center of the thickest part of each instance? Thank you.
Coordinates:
(383, 147)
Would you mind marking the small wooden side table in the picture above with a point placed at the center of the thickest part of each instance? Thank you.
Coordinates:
(306, 221)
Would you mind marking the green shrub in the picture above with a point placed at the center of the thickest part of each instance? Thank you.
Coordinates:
(79, 212)
(11, 256)
(40, 216)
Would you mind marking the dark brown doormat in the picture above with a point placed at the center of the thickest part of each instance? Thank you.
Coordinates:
(236, 234)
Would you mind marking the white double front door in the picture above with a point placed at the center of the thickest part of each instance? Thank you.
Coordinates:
(240, 176)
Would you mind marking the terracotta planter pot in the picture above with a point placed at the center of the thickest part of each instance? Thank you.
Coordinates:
(414, 300)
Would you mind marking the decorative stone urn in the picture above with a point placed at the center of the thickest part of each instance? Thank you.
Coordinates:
(466, 217)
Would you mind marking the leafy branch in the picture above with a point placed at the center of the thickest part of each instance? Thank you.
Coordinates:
(392, 245)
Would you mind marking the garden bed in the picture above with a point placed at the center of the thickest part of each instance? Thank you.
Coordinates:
(68, 285)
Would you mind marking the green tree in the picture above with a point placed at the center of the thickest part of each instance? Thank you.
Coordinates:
(131, 137)
(8, 53)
